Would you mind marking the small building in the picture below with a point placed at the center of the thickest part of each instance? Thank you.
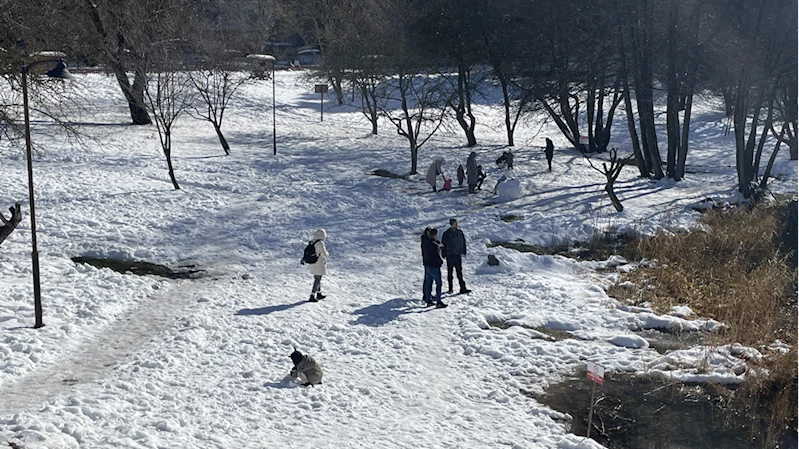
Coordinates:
(310, 57)
(261, 66)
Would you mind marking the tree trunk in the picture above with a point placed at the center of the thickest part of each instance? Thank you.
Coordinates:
(335, 81)
(673, 136)
(222, 139)
(134, 94)
(767, 124)
(506, 99)
(643, 87)
(613, 198)
(640, 161)
(369, 103)
(687, 95)
(767, 172)
(463, 109)
(168, 154)
(590, 105)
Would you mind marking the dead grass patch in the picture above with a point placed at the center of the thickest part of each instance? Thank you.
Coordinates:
(737, 268)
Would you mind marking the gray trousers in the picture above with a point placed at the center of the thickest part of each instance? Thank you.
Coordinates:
(317, 284)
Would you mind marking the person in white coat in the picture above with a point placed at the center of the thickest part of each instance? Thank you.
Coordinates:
(319, 268)
(434, 171)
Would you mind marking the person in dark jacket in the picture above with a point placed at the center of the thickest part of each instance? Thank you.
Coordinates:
(454, 243)
(426, 233)
(549, 151)
(471, 171)
(481, 176)
(306, 369)
(509, 159)
(431, 257)
(461, 175)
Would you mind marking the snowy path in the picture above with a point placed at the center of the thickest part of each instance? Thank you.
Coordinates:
(94, 358)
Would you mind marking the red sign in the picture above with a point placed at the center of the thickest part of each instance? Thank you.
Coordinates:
(320, 88)
(595, 372)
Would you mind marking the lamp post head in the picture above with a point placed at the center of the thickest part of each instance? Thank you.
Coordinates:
(60, 71)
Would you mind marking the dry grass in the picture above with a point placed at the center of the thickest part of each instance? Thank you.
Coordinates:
(739, 268)
(731, 268)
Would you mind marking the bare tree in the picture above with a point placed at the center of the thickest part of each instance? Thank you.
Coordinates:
(216, 87)
(422, 107)
(611, 170)
(169, 93)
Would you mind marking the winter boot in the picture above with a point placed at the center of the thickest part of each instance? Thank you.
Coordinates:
(313, 298)
(440, 305)
(464, 291)
(320, 296)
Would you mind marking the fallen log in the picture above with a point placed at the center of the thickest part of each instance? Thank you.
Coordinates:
(10, 224)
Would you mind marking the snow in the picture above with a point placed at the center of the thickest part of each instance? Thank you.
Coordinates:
(129, 361)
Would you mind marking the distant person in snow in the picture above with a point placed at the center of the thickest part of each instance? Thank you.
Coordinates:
(425, 234)
(472, 171)
(506, 160)
(434, 171)
(454, 248)
(305, 369)
(431, 257)
(319, 268)
(461, 175)
(549, 151)
(481, 176)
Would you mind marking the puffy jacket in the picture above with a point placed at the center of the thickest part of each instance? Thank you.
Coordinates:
(454, 242)
(431, 252)
(309, 368)
(320, 267)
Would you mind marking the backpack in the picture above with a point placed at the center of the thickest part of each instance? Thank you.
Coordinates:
(309, 255)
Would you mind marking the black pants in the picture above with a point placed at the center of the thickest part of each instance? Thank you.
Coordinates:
(454, 261)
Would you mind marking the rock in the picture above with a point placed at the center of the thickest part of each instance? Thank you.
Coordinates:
(493, 261)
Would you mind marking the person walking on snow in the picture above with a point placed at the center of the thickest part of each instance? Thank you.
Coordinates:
(319, 268)
(434, 171)
(306, 369)
(471, 171)
(461, 175)
(431, 257)
(454, 243)
(549, 151)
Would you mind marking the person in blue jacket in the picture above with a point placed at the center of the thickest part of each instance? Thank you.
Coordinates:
(432, 260)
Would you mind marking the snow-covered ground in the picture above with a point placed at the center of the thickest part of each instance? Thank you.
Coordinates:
(142, 362)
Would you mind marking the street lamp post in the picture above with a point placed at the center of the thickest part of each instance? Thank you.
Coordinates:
(60, 71)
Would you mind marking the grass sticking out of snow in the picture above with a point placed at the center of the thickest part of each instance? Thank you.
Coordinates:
(736, 268)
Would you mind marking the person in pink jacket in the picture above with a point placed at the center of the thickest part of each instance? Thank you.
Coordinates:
(319, 268)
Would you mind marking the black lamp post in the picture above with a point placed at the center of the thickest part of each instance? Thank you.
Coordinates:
(60, 71)
(274, 125)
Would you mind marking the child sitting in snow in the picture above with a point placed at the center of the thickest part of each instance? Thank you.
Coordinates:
(306, 369)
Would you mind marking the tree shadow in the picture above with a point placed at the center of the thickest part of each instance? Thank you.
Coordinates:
(269, 309)
(380, 314)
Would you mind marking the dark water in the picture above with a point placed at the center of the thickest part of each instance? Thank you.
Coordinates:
(671, 341)
(633, 413)
(140, 268)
